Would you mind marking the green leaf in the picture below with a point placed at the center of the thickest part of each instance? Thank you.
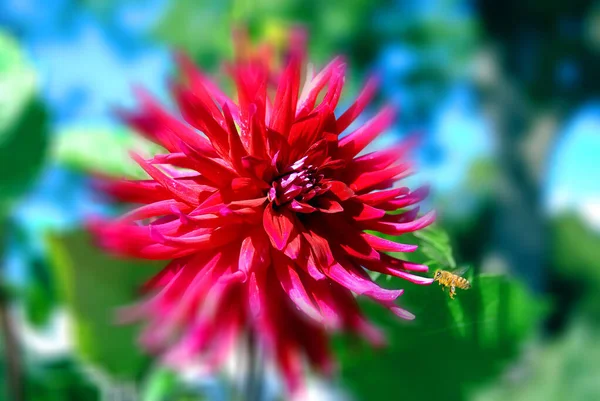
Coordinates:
(575, 248)
(58, 380)
(435, 244)
(101, 150)
(38, 304)
(37, 294)
(565, 369)
(93, 285)
(451, 346)
(23, 128)
(161, 385)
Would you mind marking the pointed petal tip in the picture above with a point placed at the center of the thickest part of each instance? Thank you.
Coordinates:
(402, 313)
(426, 281)
(384, 295)
(278, 225)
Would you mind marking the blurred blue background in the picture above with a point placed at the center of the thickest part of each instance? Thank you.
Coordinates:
(506, 95)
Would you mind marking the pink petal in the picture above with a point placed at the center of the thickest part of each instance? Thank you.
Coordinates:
(178, 189)
(313, 87)
(365, 96)
(374, 198)
(236, 148)
(360, 284)
(301, 207)
(327, 205)
(367, 181)
(360, 211)
(385, 245)
(294, 287)
(401, 313)
(196, 112)
(201, 82)
(285, 99)
(254, 252)
(353, 143)
(341, 190)
(401, 228)
(393, 271)
(408, 200)
(213, 169)
(155, 209)
(279, 225)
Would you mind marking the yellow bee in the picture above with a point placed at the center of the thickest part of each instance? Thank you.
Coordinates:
(452, 279)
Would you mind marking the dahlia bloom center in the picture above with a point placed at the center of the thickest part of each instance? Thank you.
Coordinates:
(298, 186)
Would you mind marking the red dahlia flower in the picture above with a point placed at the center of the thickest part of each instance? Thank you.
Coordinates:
(263, 206)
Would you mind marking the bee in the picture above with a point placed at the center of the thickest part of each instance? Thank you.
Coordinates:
(452, 279)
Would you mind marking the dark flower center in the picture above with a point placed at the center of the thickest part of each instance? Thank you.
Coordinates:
(300, 183)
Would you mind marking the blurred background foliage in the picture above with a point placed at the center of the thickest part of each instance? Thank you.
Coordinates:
(506, 97)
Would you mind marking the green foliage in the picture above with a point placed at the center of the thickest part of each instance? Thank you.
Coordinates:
(451, 346)
(356, 28)
(203, 30)
(39, 304)
(575, 248)
(163, 384)
(94, 285)
(60, 380)
(160, 385)
(38, 294)
(102, 151)
(435, 246)
(481, 177)
(565, 369)
(23, 129)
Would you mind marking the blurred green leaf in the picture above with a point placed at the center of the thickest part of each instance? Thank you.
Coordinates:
(38, 304)
(202, 29)
(481, 176)
(161, 385)
(451, 346)
(23, 129)
(101, 150)
(93, 285)
(60, 380)
(435, 244)
(565, 369)
(442, 39)
(576, 248)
